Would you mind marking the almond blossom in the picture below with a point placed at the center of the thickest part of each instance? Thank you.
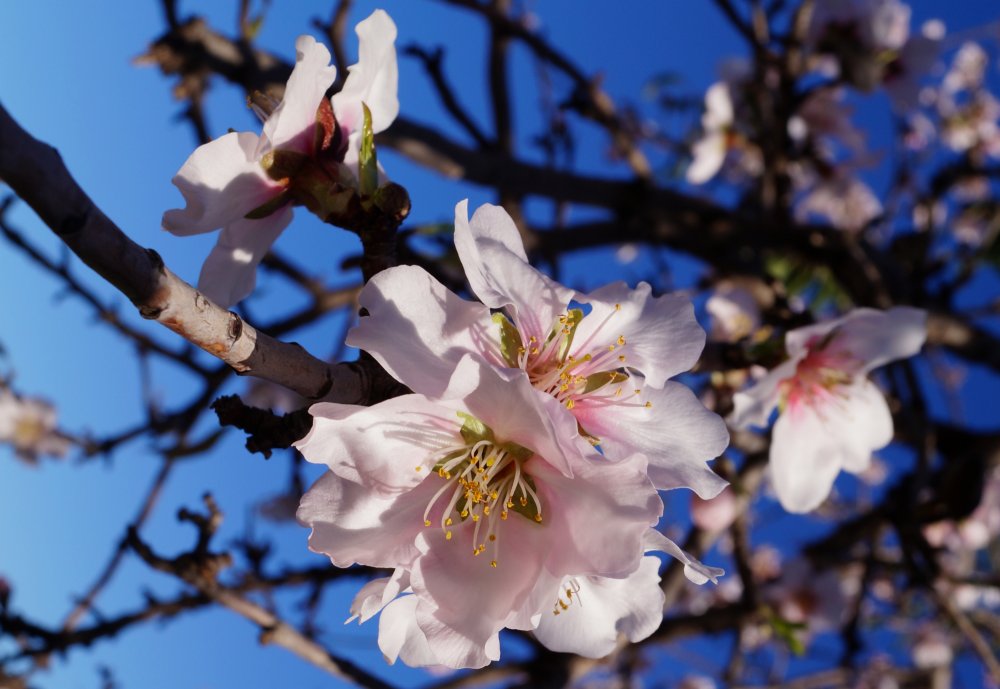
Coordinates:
(29, 425)
(308, 150)
(493, 513)
(605, 356)
(831, 417)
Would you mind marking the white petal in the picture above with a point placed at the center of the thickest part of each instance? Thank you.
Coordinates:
(501, 277)
(677, 434)
(871, 337)
(221, 182)
(292, 125)
(377, 594)
(400, 637)
(814, 439)
(707, 156)
(229, 274)
(753, 407)
(355, 525)
(662, 336)
(600, 609)
(380, 447)
(418, 329)
(373, 80)
(695, 571)
(718, 107)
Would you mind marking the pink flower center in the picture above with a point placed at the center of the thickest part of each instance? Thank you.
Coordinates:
(817, 376)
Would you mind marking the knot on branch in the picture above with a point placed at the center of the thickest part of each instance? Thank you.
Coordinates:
(266, 431)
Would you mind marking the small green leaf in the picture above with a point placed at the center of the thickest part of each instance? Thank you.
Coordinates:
(510, 340)
(367, 160)
(788, 632)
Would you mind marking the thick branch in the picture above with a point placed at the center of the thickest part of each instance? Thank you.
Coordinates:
(36, 172)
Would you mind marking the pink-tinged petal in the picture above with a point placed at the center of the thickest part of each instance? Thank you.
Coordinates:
(870, 337)
(419, 330)
(504, 400)
(707, 156)
(399, 636)
(695, 571)
(355, 525)
(221, 182)
(488, 222)
(753, 407)
(602, 515)
(292, 125)
(380, 447)
(599, 609)
(676, 433)
(661, 334)
(814, 439)
(461, 621)
(717, 514)
(229, 274)
(373, 80)
(868, 417)
(377, 594)
(502, 278)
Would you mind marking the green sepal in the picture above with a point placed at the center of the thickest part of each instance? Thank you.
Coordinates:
(367, 160)
(510, 340)
(787, 632)
(271, 206)
(474, 430)
(573, 318)
(597, 381)
(519, 451)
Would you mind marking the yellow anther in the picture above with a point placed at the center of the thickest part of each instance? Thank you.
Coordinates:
(503, 515)
(475, 517)
(510, 503)
(569, 593)
(649, 405)
(493, 564)
(465, 513)
(493, 537)
(538, 518)
(417, 468)
(447, 535)
(637, 391)
(532, 339)
(555, 612)
(621, 357)
(570, 404)
(494, 495)
(523, 501)
(588, 357)
(562, 605)
(486, 510)
(427, 522)
(534, 350)
(618, 307)
(621, 340)
(611, 348)
(448, 522)
(618, 392)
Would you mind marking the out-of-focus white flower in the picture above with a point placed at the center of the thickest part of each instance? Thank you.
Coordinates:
(715, 514)
(28, 424)
(931, 647)
(709, 152)
(843, 200)
(831, 416)
(734, 311)
(817, 599)
(979, 529)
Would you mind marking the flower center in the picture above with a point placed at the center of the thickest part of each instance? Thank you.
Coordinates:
(572, 371)
(484, 480)
(28, 431)
(817, 376)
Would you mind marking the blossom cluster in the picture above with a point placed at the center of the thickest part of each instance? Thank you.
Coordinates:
(28, 424)
(517, 486)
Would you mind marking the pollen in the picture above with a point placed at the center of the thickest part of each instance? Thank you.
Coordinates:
(493, 564)
(447, 535)
(621, 340)
(418, 468)
(618, 307)
(621, 358)
(649, 405)
(427, 522)
(447, 522)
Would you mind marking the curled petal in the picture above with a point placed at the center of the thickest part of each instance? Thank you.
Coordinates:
(229, 274)
(377, 594)
(707, 156)
(693, 570)
(676, 432)
(418, 329)
(373, 80)
(488, 222)
(292, 125)
(598, 609)
(221, 182)
(399, 636)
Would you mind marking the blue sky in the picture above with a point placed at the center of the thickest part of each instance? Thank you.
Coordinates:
(66, 74)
